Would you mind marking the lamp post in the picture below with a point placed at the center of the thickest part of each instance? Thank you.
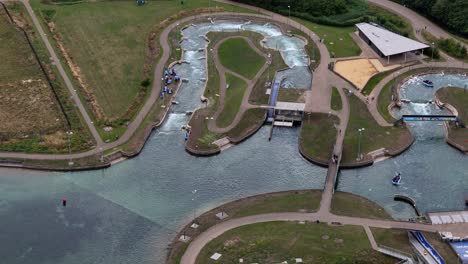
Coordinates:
(269, 64)
(102, 154)
(432, 54)
(359, 155)
(289, 15)
(193, 200)
(69, 133)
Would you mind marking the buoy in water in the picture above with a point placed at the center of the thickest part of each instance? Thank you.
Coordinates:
(64, 202)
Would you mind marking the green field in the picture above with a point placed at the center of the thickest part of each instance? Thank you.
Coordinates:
(337, 39)
(393, 238)
(352, 205)
(373, 137)
(233, 100)
(458, 98)
(318, 135)
(336, 103)
(108, 41)
(305, 201)
(291, 95)
(275, 242)
(251, 119)
(237, 55)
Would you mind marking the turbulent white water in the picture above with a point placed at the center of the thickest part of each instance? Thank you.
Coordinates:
(194, 69)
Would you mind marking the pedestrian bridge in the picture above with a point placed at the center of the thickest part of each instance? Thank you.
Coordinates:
(429, 118)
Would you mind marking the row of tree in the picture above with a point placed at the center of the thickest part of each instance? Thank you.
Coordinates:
(450, 13)
(312, 7)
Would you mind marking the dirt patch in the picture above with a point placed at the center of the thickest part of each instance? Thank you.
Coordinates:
(359, 71)
(27, 108)
(231, 242)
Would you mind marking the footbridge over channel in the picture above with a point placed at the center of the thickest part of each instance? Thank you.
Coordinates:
(429, 118)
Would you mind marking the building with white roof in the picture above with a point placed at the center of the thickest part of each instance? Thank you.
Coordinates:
(387, 43)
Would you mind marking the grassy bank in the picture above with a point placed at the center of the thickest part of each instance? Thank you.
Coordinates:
(318, 136)
(370, 85)
(373, 137)
(232, 101)
(458, 98)
(352, 205)
(237, 55)
(336, 103)
(275, 242)
(393, 238)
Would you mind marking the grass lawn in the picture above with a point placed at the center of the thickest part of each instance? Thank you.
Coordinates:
(237, 55)
(458, 98)
(275, 242)
(108, 41)
(318, 135)
(336, 103)
(393, 238)
(251, 119)
(352, 205)
(291, 95)
(370, 85)
(233, 100)
(343, 45)
(373, 137)
(258, 94)
(304, 201)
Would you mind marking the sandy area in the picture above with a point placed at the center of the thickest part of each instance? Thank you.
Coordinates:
(359, 71)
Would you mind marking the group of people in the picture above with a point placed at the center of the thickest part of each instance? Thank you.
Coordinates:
(334, 158)
(170, 76)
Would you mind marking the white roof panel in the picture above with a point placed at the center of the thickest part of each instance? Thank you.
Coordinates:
(387, 42)
(290, 106)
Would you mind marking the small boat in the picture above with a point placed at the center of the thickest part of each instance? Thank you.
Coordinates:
(397, 179)
(428, 83)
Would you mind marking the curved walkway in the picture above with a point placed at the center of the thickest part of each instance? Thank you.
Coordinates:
(245, 105)
(204, 238)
